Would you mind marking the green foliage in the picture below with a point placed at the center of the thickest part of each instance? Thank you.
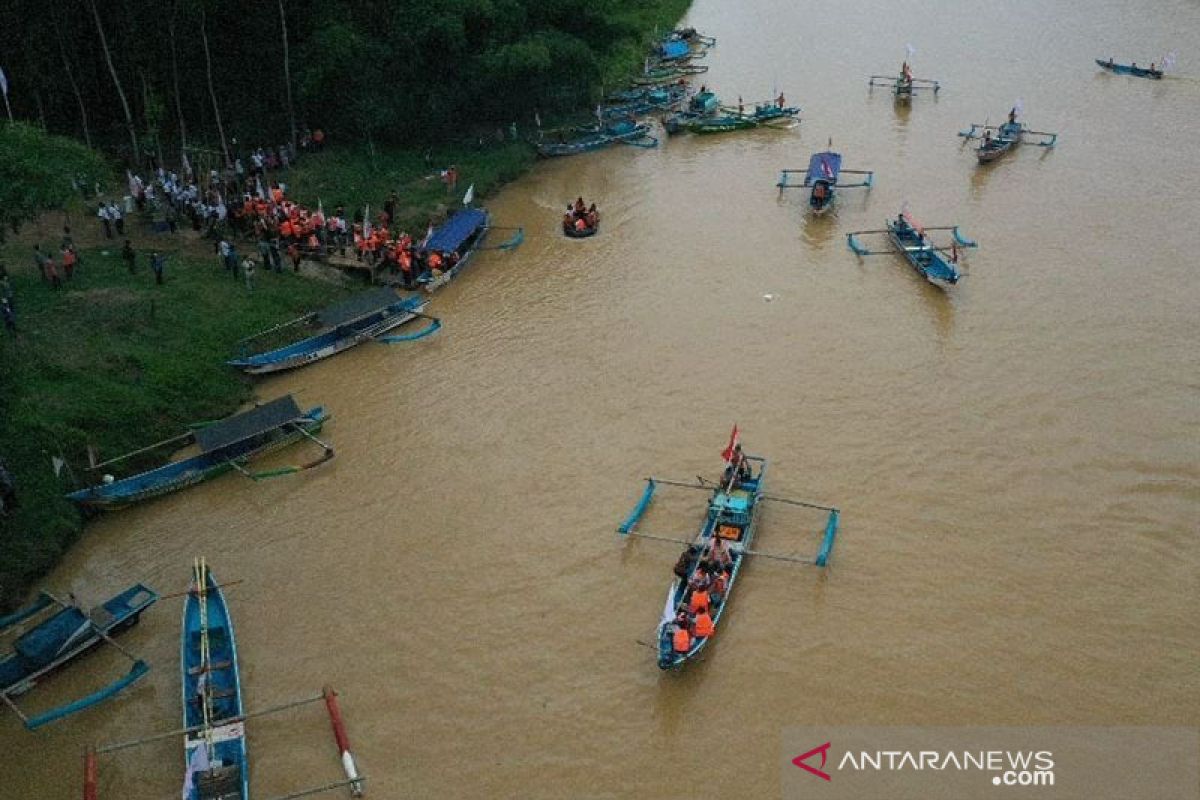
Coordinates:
(116, 362)
(37, 172)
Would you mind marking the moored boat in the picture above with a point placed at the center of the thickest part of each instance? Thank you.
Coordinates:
(225, 445)
(1131, 69)
(361, 318)
(702, 105)
(215, 755)
(595, 137)
(63, 637)
(765, 114)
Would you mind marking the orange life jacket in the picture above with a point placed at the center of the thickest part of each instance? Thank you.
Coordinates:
(698, 601)
(435, 261)
(704, 625)
(682, 640)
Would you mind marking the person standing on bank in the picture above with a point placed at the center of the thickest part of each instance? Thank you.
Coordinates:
(157, 262)
(129, 257)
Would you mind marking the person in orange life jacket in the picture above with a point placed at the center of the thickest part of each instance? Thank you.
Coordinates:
(681, 640)
(68, 259)
(703, 625)
(717, 592)
(581, 224)
(699, 600)
(434, 261)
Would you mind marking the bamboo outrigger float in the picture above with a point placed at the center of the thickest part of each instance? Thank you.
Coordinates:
(721, 546)
(996, 140)
(63, 637)
(908, 237)
(216, 759)
(229, 444)
(822, 176)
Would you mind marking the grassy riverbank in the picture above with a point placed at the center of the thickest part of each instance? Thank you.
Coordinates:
(117, 362)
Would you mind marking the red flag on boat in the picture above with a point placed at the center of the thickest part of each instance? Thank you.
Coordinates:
(734, 441)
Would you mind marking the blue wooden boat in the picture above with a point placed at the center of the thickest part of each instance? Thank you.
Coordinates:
(595, 137)
(1131, 69)
(736, 118)
(702, 105)
(692, 36)
(648, 100)
(729, 522)
(225, 445)
(822, 175)
(364, 317)
(909, 238)
(455, 243)
(63, 637)
(215, 743)
(676, 49)
(996, 140)
(665, 73)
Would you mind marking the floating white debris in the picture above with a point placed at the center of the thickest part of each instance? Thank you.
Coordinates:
(768, 297)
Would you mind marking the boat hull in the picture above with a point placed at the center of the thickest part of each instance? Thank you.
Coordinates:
(432, 283)
(216, 672)
(1129, 69)
(190, 471)
(923, 258)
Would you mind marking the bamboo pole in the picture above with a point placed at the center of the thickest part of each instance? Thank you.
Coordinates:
(154, 446)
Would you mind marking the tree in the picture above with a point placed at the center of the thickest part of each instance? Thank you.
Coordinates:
(211, 91)
(287, 74)
(38, 172)
(112, 70)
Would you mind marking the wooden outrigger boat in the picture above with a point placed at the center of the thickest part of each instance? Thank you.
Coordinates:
(649, 100)
(595, 137)
(693, 37)
(1006, 137)
(767, 113)
(702, 105)
(676, 49)
(904, 85)
(216, 758)
(455, 243)
(824, 170)
(214, 750)
(364, 317)
(667, 72)
(63, 637)
(728, 528)
(908, 237)
(1131, 69)
(225, 445)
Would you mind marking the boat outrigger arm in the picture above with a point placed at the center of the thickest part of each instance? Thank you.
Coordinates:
(785, 181)
(629, 526)
(136, 672)
(514, 242)
(977, 129)
(291, 469)
(913, 84)
(861, 250)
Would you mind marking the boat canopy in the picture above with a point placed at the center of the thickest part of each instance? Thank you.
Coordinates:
(457, 230)
(360, 305)
(243, 426)
(823, 167)
(674, 48)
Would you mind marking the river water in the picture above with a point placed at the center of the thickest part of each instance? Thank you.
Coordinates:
(1016, 459)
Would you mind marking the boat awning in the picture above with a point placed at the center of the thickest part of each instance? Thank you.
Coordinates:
(250, 423)
(823, 167)
(457, 230)
(674, 48)
(357, 306)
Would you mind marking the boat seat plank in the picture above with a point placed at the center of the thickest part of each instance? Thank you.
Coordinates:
(214, 667)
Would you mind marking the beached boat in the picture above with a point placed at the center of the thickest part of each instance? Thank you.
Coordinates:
(667, 72)
(364, 317)
(996, 140)
(693, 37)
(1131, 69)
(909, 238)
(595, 137)
(729, 525)
(215, 743)
(702, 105)
(646, 101)
(768, 114)
(225, 445)
(63, 637)
(824, 170)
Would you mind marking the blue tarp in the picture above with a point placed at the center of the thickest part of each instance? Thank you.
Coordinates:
(823, 167)
(457, 230)
(674, 49)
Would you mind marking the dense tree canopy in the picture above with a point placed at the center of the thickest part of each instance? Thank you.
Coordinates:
(40, 172)
(123, 71)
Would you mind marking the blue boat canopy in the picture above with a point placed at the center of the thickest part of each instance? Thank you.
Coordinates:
(457, 230)
(823, 167)
(238, 428)
(674, 48)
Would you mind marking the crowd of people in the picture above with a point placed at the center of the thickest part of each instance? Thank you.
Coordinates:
(580, 219)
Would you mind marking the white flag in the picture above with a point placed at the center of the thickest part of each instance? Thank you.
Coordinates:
(428, 235)
(366, 233)
(469, 196)
(258, 187)
(320, 208)
(912, 51)
(58, 464)
(537, 118)
(3, 82)
(187, 167)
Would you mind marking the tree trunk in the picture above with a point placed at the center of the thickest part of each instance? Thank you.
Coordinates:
(112, 70)
(175, 78)
(211, 91)
(62, 49)
(287, 74)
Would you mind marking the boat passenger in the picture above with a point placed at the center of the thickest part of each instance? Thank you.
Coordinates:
(717, 594)
(581, 225)
(699, 601)
(780, 100)
(684, 564)
(703, 625)
(1012, 116)
(1152, 66)
(681, 618)
(1134, 65)
(681, 640)
(579, 206)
